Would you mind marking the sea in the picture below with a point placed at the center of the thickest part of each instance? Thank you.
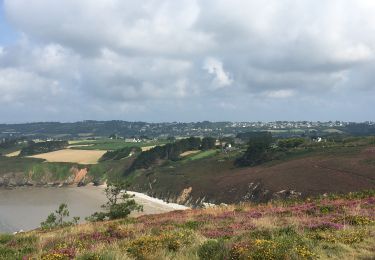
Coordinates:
(25, 208)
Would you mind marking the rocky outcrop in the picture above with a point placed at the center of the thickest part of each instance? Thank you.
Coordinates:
(14, 179)
(17, 179)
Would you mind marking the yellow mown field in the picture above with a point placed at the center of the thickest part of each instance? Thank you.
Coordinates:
(146, 148)
(14, 154)
(74, 156)
(184, 154)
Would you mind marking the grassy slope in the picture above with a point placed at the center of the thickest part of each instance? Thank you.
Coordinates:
(35, 169)
(312, 172)
(335, 228)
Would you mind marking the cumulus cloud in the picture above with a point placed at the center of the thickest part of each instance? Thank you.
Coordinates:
(215, 67)
(173, 60)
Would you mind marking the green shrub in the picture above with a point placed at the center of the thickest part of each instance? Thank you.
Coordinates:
(212, 250)
(7, 253)
(5, 238)
(355, 220)
(194, 225)
(326, 209)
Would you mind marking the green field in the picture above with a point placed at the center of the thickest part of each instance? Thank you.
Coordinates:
(111, 144)
(201, 155)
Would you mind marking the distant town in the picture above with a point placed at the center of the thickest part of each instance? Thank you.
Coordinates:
(142, 130)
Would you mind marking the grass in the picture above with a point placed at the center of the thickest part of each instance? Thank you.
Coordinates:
(111, 144)
(277, 230)
(36, 169)
(201, 155)
(16, 164)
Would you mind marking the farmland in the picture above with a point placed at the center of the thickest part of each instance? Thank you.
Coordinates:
(13, 154)
(73, 156)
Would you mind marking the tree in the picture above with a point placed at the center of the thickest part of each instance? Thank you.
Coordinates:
(119, 205)
(56, 219)
(208, 143)
(50, 222)
(257, 152)
(62, 212)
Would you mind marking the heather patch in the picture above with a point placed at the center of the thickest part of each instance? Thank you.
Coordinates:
(298, 230)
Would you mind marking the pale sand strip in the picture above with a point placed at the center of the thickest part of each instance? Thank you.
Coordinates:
(142, 196)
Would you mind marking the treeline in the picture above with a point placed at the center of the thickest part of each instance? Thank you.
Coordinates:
(171, 151)
(43, 147)
(120, 153)
(290, 143)
(7, 143)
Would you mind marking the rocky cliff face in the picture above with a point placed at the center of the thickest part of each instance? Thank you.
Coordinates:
(255, 192)
(18, 179)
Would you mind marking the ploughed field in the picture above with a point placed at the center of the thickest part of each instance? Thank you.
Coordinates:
(334, 227)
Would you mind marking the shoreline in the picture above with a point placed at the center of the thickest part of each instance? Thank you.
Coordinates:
(82, 201)
(143, 196)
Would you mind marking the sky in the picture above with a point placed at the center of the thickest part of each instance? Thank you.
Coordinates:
(187, 60)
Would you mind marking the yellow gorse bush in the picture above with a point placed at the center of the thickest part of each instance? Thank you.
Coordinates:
(146, 245)
(305, 253)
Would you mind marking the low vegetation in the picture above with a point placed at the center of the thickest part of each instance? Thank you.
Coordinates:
(120, 153)
(335, 227)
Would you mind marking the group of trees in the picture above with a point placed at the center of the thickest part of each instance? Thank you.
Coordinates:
(120, 153)
(258, 150)
(42, 147)
(171, 151)
(290, 143)
(6, 143)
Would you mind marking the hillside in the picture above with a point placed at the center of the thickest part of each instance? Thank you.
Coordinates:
(332, 227)
(213, 177)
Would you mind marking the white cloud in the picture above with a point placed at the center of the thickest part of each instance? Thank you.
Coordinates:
(25, 87)
(149, 53)
(282, 93)
(215, 67)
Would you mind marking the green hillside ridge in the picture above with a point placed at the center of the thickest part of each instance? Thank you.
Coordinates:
(304, 170)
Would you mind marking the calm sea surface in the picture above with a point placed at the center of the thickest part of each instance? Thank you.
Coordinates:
(25, 208)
